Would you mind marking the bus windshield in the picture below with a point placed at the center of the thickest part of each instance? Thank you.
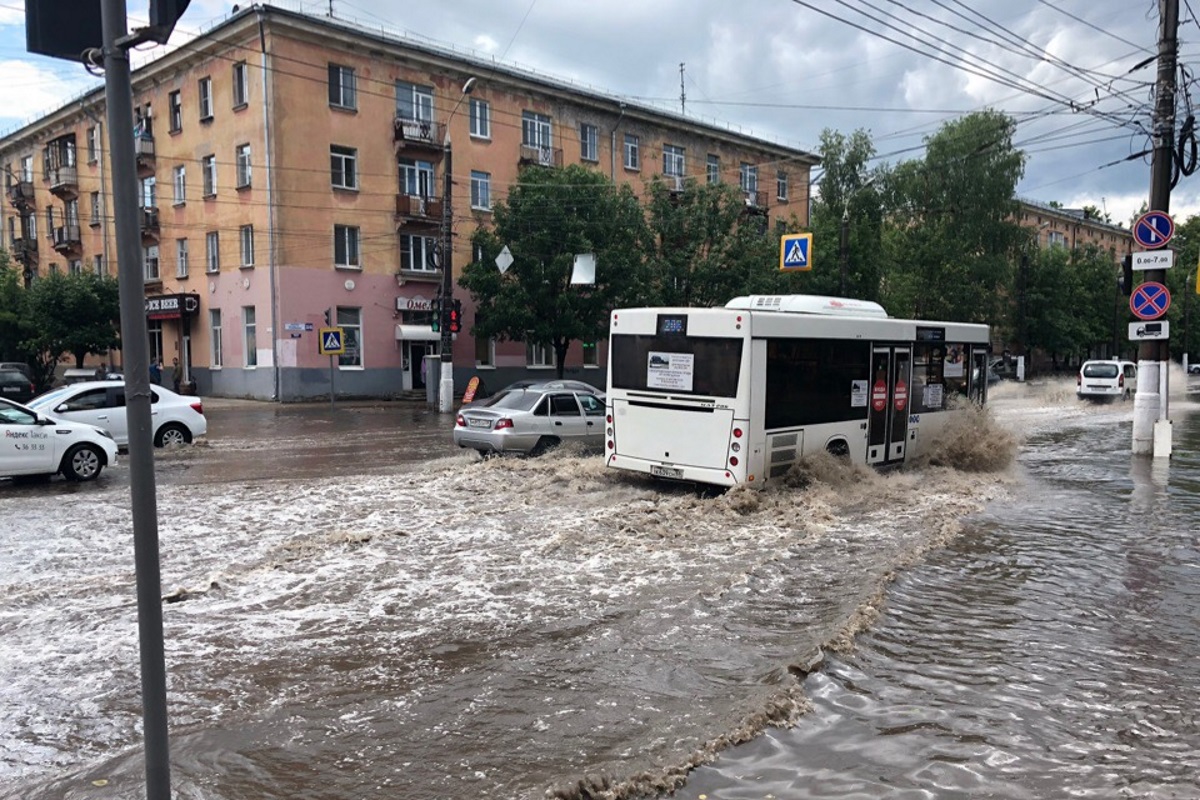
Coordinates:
(697, 365)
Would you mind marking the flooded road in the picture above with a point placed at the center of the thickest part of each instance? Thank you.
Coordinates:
(417, 623)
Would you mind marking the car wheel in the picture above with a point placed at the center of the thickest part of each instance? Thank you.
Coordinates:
(82, 462)
(172, 433)
(543, 445)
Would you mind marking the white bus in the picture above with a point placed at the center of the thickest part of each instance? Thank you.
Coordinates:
(739, 394)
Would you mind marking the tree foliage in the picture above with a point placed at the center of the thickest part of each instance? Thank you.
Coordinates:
(550, 216)
(72, 314)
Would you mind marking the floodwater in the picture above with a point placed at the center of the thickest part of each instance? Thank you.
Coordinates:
(363, 612)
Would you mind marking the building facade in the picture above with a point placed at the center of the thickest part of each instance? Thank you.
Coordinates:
(1074, 228)
(291, 177)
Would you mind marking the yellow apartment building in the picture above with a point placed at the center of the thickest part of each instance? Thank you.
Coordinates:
(1074, 228)
(291, 173)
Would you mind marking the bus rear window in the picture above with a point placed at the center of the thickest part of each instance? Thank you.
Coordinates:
(699, 365)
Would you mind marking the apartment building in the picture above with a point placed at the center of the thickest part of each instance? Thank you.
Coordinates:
(291, 174)
(1074, 228)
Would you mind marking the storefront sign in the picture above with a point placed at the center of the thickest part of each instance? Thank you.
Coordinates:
(171, 306)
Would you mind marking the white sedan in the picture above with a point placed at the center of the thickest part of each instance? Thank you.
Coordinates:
(176, 419)
(33, 443)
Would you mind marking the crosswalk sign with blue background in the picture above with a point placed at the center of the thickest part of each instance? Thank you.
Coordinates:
(332, 341)
(795, 252)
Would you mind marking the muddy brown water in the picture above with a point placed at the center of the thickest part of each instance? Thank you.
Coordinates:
(368, 613)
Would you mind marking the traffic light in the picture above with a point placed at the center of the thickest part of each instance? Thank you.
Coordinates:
(1127, 275)
(436, 307)
(456, 316)
(327, 318)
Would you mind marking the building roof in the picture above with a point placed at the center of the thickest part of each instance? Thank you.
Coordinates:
(1074, 215)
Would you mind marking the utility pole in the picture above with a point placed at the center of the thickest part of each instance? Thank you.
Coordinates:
(1150, 423)
(446, 380)
(844, 251)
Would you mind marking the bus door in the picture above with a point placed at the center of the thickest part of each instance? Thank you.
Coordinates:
(891, 376)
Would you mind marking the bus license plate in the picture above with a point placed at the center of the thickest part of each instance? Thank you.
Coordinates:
(665, 472)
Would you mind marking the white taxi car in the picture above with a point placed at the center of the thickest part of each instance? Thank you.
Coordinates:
(176, 419)
(32, 443)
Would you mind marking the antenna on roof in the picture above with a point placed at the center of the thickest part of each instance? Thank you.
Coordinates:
(682, 92)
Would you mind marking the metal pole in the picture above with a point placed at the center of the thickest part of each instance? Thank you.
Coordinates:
(844, 252)
(135, 346)
(446, 379)
(1150, 405)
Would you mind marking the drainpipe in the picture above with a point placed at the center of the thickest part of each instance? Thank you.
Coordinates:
(271, 266)
(101, 131)
(612, 148)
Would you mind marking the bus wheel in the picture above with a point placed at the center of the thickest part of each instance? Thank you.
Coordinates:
(838, 448)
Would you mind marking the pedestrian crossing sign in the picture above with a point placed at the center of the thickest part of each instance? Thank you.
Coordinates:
(795, 252)
(332, 341)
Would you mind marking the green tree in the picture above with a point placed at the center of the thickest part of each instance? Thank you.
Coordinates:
(550, 216)
(707, 248)
(1181, 280)
(1070, 302)
(71, 314)
(953, 235)
(12, 299)
(848, 190)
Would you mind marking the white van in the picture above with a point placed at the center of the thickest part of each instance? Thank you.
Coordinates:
(1106, 380)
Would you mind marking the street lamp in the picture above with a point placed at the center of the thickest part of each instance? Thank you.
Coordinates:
(446, 382)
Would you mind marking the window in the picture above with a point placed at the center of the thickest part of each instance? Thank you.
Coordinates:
(673, 160)
(242, 157)
(481, 119)
(154, 329)
(75, 266)
(749, 178)
(343, 166)
(414, 102)
(342, 87)
(71, 213)
(99, 266)
(179, 181)
(1056, 239)
(350, 321)
(181, 258)
(149, 192)
(481, 190)
(241, 85)
(810, 380)
(247, 239)
(93, 144)
(591, 354)
(485, 348)
(712, 169)
(416, 178)
(416, 253)
(536, 130)
(206, 100)
(208, 168)
(781, 185)
(27, 168)
(143, 122)
(250, 329)
(633, 158)
(212, 251)
(214, 329)
(345, 246)
(175, 111)
(589, 142)
(150, 262)
(538, 355)
(50, 221)
(96, 210)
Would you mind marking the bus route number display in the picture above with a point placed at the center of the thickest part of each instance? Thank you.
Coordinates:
(672, 324)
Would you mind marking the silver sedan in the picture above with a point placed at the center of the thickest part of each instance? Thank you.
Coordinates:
(531, 420)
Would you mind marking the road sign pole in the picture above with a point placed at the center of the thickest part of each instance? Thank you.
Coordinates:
(332, 393)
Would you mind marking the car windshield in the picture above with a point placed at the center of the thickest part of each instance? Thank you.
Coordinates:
(517, 400)
(1099, 370)
(49, 399)
(12, 376)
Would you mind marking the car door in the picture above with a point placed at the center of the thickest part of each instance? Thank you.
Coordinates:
(26, 448)
(593, 417)
(566, 418)
(94, 407)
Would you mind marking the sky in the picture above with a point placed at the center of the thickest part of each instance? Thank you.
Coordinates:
(785, 70)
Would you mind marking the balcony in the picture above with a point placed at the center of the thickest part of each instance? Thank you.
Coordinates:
(24, 250)
(64, 182)
(20, 194)
(756, 202)
(149, 221)
(541, 156)
(417, 134)
(417, 210)
(143, 148)
(67, 239)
